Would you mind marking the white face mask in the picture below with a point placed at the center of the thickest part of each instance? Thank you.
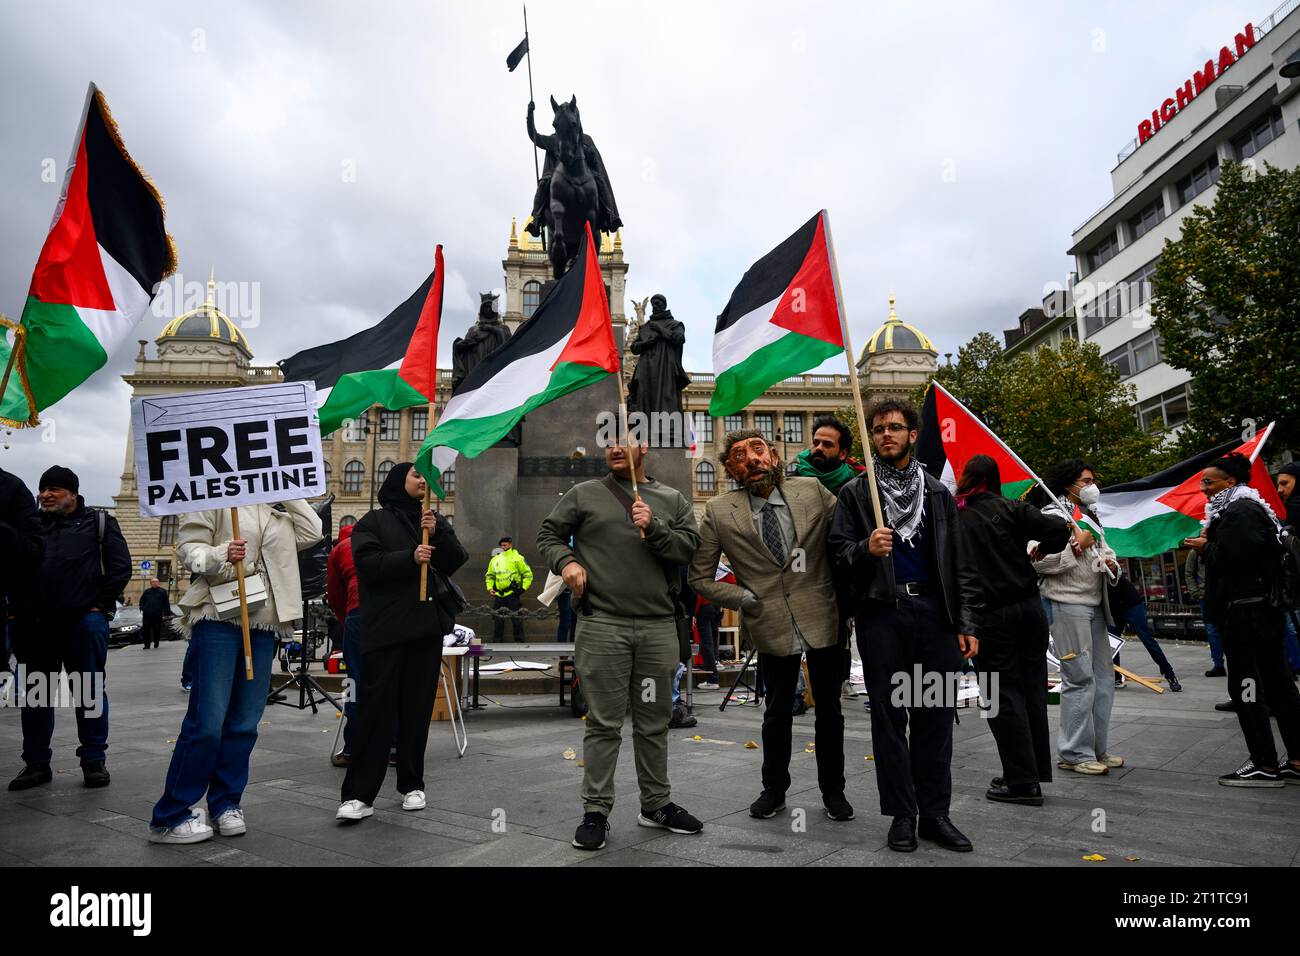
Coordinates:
(1089, 495)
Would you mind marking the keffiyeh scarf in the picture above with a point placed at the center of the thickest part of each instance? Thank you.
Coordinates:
(903, 494)
(1216, 505)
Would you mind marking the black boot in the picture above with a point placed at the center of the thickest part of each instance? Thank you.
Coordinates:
(1030, 794)
(95, 774)
(33, 775)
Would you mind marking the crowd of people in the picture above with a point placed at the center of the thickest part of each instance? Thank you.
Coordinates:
(929, 582)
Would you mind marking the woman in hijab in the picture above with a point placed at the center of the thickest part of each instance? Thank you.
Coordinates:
(401, 639)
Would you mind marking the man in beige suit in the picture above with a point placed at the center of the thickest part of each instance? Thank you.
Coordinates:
(773, 531)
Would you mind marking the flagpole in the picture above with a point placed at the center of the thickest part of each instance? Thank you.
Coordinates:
(432, 414)
(863, 434)
(528, 55)
(627, 448)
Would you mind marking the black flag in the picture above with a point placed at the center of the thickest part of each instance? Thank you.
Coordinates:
(517, 54)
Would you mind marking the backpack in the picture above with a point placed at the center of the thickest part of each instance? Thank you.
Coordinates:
(1286, 588)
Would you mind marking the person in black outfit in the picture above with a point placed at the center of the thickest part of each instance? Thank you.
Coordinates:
(1242, 558)
(1011, 624)
(1128, 607)
(22, 545)
(914, 596)
(401, 639)
(154, 606)
(61, 624)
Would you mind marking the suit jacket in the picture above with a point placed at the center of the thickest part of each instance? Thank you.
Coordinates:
(798, 592)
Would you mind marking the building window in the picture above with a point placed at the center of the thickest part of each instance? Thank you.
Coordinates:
(420, 424)
(354, 429)
(1070, 331)
(164, 574)
(702, 422)
(1198, 180)
(792, 470)
(347, 521)
(167, 531)
(1102, 252)
(1139, 284)
(1148, 217)
(390, 425)
(329, 471)
(1250, 141)
(733, 423)
(448, 480)
(354, 476)
(765, 423)
(793, 428)
(381, 472)
(1167, 409)
(1136, 355)
(706, 478)
(532, 297)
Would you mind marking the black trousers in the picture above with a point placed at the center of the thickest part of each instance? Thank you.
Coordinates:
(397, 683)
(151, 629)
(781, 674)
(511, 602)
(1013, 646)
(1254, 644)
(914, 775)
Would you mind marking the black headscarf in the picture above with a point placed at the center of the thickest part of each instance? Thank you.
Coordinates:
(393, 496)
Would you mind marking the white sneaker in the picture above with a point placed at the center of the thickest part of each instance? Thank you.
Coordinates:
(231, 823)
(354, 810)
(707, 685)
(192, 830)
(414, 800)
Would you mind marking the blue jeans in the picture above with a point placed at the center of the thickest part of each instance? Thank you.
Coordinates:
(78, 645)
(220, 727)
(1087, 680)
(1136, 618)
(1292, 645)
(1215, 642)
(564, 631)
(677, 683)
(187, 665)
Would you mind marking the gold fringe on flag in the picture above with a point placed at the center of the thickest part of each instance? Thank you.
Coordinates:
(18, 363)
(116, 137)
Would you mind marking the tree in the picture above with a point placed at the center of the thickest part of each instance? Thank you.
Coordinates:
(1055, 403)
(1226, 302)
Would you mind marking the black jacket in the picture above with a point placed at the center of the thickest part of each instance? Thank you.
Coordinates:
(996, 532)
(1242, 558)
(76, 573)
(154, 602)
(872, 579)
(1122, 595)
(388, 579)
(22, 543)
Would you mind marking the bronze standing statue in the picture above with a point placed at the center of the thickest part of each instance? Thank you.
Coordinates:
(485, 336)
(574, 188)
(659, 378)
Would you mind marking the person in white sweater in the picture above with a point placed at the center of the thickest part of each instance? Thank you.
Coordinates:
(220, 727)
(1073, 586)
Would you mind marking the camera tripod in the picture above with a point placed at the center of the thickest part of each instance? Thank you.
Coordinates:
(310, 691)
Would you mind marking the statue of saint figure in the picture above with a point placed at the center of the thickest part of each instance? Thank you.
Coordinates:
(659, 378)
(486, 335)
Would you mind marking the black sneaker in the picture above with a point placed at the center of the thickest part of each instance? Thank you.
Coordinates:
(670, 817)
(32, 775)
(590, 834)
(1227, 705)
(95, 774)
(1216, 672)
(682, 719)
(1174, 685)
(1249, 775)
(837, 808)
(1288, 773)
(1029, 794)
(768, 805)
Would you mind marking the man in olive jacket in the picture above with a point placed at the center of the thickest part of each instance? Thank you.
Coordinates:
(773, 531)
(626, 652)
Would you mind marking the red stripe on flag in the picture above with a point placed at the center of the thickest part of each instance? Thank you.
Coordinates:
(70, 270)
(420, 364)
(1188, 498)
(809, 305)
(592, 340)
(964, 436)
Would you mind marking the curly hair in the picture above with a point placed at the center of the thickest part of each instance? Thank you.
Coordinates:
(1065, 473)
(830, 421)
(894, 403)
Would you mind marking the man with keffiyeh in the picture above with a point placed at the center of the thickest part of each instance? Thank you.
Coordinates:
(1242, 552)
(914, 596)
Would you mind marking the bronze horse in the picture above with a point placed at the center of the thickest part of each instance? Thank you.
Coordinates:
(574, 188)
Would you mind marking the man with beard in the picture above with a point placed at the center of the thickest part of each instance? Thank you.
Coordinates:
(915, 595)
(773, 532)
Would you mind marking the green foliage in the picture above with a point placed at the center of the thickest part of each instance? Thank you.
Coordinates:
(1054, 403)
(1226, 303)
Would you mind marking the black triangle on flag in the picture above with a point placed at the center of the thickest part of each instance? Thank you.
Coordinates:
(517, 55)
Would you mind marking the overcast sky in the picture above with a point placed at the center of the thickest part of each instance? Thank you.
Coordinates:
(318, 151)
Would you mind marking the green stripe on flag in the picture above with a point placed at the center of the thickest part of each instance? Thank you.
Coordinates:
(472, 436)
(357, 391)
(789, 355)
(1154, 535)
(62, 352)
(1016, 489)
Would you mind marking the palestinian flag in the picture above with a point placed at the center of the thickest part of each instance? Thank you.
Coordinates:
(951, 435)
(353, 368)
(568, 344)
(1153, 515)
(105, 252)
(783, 318)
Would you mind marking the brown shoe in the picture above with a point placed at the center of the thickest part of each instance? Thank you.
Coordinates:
(1090, 767)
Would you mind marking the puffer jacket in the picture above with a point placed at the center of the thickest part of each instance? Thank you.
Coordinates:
(341, 576)
(273, 538)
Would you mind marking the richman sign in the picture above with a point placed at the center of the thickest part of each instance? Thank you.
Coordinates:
(1198, 84)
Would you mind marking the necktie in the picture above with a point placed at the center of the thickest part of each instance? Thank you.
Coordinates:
(772, 533)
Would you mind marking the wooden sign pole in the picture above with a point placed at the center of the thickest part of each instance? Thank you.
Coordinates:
(627, 448)
(428, 503)
(243, 601)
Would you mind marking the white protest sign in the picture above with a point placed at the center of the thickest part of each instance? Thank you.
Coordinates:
(198, 451)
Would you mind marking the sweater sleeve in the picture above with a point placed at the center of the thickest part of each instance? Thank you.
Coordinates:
(674, 540)
(195, 549)
(557, 528)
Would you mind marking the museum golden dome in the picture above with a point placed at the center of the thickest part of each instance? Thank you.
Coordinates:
(897, 335)
(207, 323)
